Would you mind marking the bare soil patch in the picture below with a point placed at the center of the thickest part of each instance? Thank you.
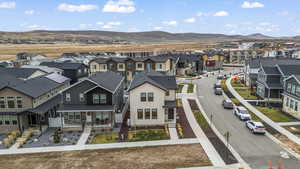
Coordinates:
(163, 157)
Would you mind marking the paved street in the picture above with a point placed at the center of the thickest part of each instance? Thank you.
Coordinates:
(257, 150)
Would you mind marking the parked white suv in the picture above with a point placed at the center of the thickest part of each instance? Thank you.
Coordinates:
(242, 113)
(256, 127)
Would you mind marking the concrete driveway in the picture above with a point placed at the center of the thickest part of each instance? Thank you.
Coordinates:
(256, 150)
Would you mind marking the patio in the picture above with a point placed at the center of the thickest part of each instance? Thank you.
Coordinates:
(46, 139)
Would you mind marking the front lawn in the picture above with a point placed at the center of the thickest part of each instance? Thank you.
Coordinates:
(179, 88)
(105, 138)
(274, 114)
(190, 88)
(147, 135)
(293, 129)
(237, 84)
(246, 94)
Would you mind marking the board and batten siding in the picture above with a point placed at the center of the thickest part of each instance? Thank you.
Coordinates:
(158, 103)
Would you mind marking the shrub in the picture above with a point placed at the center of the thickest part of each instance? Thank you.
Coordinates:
(56, 137)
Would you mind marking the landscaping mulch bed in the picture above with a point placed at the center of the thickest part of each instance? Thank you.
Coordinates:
(185, 125)
(221, 148)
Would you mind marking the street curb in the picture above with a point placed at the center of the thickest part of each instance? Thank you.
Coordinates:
(221, 137)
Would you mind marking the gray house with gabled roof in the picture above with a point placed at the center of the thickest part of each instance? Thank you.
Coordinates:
(93, 102)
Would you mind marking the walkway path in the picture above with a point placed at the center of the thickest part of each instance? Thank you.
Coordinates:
(84, 136)
(173, 133)
(100, 146)
(185, 88)
(261, 115)
(296, 123)
(209, 149)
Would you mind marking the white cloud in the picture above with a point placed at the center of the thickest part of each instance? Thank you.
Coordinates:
(170, 23)
(248, 4)
(8, 5)
(221, 13)
(133, 29)
(111, 25)
(119, 6)
(190, 20)
(76, 8)
(84, 26)
(100, 23)
(29, 12)
(157, 28)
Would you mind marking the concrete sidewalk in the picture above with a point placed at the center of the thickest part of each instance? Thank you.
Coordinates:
(173, 133)
(296, 123)
(99, 146)
(261, 115)
(209, 149)
(84, 136)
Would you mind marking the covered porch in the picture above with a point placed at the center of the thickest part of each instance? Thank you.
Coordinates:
(80, 116)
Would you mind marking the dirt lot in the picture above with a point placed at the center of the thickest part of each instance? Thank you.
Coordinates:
(54, 50)
(164, 157)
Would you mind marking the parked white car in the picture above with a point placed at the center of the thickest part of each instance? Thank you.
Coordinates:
(242, 113)
(256, 127)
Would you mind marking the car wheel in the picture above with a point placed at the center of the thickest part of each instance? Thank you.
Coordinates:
(252, 131)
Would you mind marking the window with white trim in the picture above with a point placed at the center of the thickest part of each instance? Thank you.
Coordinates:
(140, 114)
(81, 97)
(2, 102)
(68, 97)
(103, 99)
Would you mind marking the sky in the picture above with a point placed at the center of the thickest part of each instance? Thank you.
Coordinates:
(270, 17)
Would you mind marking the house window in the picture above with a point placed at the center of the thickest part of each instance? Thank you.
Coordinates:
(68, 97)
(167, 93)
(19, 102)
(296, 106)
(94, 67)
(292, 104)
(140, 114)
(298, 90)
(154, 113)
(104, 67)
(121, 66)
(11, 102)
(81, 97)
(103, 99)
(160, 66)
(150, 97)
(143, 97)
(293, 89)
(147, 114)
(289, 87)
(2, 102)
(96, 99)
(140, 65)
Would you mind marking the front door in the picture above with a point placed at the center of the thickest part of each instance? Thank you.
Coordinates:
(170, 114)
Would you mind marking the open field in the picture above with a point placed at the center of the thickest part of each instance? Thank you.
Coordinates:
(163, 157)
(9, 51)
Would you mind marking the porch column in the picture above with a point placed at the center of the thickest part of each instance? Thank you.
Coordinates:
(19, 124)
(61, 120)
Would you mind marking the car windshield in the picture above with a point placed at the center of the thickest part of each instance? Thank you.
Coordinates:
(243, 111)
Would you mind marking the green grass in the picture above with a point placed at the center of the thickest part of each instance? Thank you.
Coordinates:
(289, 128)
(147, 135)
(105, 138)
(179, 88)
(237, 84)
(274, 114)
(246, 94)
(200, 119)
(190, 88)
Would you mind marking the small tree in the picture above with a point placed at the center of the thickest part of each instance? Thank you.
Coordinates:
(56, 137)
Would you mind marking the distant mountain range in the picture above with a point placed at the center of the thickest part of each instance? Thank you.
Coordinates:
(107, 37)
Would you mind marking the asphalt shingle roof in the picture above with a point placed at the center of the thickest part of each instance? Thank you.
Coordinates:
(63, 66)
(271, 70)
(288, 70)
(23, 73)
(155, 78)
(256, 63)
(108, 80)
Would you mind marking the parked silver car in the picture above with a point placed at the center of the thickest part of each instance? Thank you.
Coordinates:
(256, 127)
(242, 113)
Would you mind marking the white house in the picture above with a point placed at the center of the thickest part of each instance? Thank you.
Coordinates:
(152, 100)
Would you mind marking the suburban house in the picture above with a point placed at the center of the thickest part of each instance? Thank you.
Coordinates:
(22, 73)
(128, 67)
(95, 101)
(29, 103)
(73, 71)
(44, 69)
(252, 67)
(188, 64)
(291, 96)
(270, 82)
(152, 98)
